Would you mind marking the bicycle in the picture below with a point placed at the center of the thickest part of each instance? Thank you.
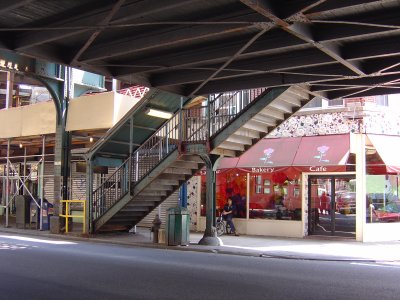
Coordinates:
(222, 227)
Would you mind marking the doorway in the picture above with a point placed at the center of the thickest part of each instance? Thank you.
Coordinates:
(332, 205)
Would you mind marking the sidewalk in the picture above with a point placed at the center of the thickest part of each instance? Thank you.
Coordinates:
(287, 248)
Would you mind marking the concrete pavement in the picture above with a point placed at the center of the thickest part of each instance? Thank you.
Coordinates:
(288, 248)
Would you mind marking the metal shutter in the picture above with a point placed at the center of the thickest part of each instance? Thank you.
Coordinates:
(171, 201)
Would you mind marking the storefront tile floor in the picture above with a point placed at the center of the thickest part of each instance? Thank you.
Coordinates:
(316, 248)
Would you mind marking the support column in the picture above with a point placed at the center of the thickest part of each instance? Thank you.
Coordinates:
(41, 191)
(116, 85)
(10, 89)
(8, 183)
(210, 235)
(60, 92)
(24, 172)
(183, 195)
(89, 195)
(361, 188)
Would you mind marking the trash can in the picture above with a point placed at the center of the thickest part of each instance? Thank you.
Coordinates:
(22, 204)
(178, 226)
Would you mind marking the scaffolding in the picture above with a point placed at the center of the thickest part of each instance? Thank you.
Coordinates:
(16, 174)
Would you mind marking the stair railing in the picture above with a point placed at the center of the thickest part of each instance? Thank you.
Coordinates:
(227, 106)
(156, 148)
(111, 190)
(188, 126)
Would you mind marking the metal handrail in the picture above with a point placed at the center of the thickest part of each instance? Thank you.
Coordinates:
(223, 113)
(111, 190)
(156, 148)
(68, 215)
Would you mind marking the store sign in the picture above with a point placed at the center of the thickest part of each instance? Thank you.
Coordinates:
(262, 170)
(318, 169)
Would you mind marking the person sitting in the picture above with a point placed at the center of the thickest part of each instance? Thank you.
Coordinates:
(227, 214)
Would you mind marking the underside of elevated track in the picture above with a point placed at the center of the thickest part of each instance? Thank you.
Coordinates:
(196, 47)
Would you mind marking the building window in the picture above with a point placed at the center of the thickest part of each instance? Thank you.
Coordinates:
(383, 205)
(275, 196)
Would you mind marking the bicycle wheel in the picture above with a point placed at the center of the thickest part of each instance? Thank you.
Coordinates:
(220, 228)
(228, 229)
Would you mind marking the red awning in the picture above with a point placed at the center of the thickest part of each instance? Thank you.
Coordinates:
(270, 153)
(317, 153)
(388, 148)
(228, 162)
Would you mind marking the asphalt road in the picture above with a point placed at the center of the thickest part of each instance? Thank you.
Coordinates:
(54, 269)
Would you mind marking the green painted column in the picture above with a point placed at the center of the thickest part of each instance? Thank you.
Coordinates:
(210, 236)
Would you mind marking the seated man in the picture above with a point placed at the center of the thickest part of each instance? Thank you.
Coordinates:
(229, 208)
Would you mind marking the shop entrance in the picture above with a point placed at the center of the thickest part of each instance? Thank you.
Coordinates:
(332, 205)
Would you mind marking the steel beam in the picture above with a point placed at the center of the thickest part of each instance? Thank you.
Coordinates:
(164, 38)
(8, 5)
(81, 16)
(94, 35)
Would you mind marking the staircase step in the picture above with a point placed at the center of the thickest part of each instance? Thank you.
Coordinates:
(140, 198)
(248, 133)
(172, 176)
(269, 111)
(253, 125)
(168, 182)
(141, 203)
(223, 152)
(171, 170)
(192, 158)
(136, 208)
(282, 106)
(297, 92)
(292, 99)
(232, 146)
(159, 187)
(127, 221)
(234, 138)
(127, 216)
(267, 120)
(151, 193)
(185, 165)
(129, 213)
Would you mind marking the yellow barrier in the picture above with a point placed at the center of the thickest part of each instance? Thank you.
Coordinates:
(68, 213)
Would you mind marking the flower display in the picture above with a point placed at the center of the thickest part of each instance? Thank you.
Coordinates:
(267, 155)
(322, 152)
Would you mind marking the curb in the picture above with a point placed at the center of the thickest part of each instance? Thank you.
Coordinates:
(194, 248)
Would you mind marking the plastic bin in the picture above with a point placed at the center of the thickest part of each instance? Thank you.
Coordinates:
(178, 226)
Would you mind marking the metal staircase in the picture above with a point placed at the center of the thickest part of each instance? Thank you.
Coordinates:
(173, 153)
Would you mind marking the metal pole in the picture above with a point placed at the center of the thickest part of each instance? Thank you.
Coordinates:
(42, 182)
(8, 182)
(24, 171)
(130, 170)
(9, 91)
(89, 195)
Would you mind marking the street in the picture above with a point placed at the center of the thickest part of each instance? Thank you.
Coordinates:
(37, 268)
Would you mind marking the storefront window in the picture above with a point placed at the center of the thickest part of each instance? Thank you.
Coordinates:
(275, 195)
(231, 183)
(383, 205)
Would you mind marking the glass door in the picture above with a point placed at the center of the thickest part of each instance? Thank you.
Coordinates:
(332, 205)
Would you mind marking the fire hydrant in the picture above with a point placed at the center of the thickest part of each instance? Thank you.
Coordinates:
(155, 228)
